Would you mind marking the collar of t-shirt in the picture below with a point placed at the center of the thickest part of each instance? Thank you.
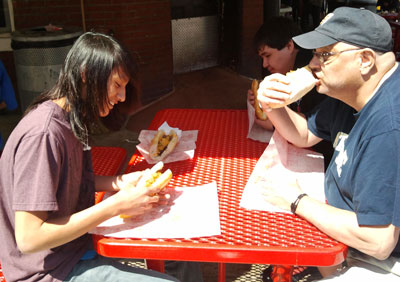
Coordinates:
(384, 78)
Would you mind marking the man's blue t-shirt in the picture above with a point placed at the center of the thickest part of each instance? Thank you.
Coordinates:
(364, 174)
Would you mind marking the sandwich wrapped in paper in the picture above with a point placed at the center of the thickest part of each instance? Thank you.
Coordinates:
(302, 81)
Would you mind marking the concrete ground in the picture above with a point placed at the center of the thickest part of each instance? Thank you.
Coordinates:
(213, 88)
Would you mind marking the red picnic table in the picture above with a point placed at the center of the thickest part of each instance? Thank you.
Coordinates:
(225, 155)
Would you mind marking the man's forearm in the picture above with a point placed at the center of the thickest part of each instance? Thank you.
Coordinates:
(342, 225)
(292, 126)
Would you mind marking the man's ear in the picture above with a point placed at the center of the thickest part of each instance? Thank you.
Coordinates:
(290, 45)
(367, 60)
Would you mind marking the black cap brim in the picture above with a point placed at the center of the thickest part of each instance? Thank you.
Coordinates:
(313, 40)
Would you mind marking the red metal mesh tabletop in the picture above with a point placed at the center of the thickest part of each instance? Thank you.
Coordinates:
(225, 155)
(2, 279)
(107, 161)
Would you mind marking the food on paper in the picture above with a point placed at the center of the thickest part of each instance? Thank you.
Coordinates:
(154, 178)
(184, 150)
(302, 81)
(163, 144)
(259, 112)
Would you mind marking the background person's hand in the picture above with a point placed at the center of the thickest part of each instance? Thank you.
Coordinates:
(250, 97)
(263, 123)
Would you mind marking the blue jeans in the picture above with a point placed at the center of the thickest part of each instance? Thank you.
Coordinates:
(185, 271)
(108, 269)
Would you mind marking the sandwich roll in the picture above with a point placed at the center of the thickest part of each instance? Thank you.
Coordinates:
(163, 144)
(301, 81)
(259, 112)
(154, 178)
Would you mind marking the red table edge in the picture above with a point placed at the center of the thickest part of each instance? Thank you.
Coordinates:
(108, 246)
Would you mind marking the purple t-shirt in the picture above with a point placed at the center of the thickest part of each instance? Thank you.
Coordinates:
(43, 168)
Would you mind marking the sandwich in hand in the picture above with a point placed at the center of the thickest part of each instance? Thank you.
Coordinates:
(154, 178)
(302, 81)
(259, 112)
(163, 144)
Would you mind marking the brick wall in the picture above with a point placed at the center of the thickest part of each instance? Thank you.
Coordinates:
(252, 18)
(143, 26)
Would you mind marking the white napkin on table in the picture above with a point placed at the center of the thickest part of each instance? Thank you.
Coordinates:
(281, 164)
(189, 212)
(256, 132)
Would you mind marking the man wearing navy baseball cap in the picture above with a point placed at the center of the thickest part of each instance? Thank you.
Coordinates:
(354, 65)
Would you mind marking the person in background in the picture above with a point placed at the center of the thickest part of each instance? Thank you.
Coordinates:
(47, 183)
(273, 43)
(388, 5)
(356, 68)
(8, 102)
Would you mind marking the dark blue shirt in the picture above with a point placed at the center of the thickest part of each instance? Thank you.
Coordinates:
(364, 173)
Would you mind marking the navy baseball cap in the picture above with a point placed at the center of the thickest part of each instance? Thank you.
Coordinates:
(359, 27)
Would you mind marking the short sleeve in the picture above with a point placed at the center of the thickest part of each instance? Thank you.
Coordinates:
(37, 169)
(376, 180)
(319, 119)
(330, 118)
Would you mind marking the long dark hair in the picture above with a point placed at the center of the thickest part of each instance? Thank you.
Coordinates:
(93, 56)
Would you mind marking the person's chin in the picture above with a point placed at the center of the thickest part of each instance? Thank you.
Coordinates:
(104, 113)
(320, 89)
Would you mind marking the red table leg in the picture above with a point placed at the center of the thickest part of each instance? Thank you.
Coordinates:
(221, 272)
(157, 265)
(282, 273)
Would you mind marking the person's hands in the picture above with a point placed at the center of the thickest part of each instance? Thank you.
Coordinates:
(281, 194)
(128, 180)
(250, 97)
(263, 123)
(275, 89)
(134, 200)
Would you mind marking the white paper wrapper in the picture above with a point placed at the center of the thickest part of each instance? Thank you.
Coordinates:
(256, 132)
(283, 164)
(181, 216)
(183, 151)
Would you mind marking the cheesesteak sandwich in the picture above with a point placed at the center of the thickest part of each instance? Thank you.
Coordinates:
(302, 81)
(152, 178)
(163, 144)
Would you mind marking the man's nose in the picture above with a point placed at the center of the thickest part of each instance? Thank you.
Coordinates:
(265, 63)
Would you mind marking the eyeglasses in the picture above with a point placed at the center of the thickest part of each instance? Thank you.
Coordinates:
(324, 56)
